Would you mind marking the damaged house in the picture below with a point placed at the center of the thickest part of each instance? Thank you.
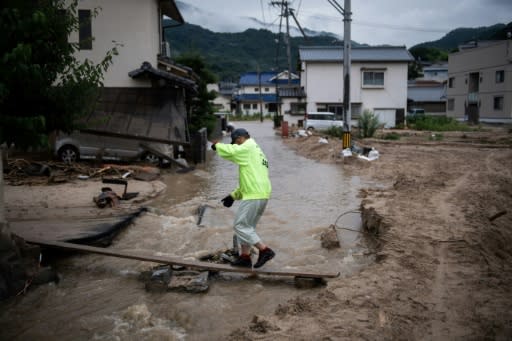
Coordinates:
(143, 101)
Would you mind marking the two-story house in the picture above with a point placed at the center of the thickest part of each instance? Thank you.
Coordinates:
(378, 80)
(480, 82)
(268, 93)
(143, 98)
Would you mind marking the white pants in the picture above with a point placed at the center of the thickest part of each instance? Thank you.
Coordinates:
(247, 216)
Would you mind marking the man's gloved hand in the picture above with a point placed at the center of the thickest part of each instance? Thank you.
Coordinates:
(228, 201)
(213, 145)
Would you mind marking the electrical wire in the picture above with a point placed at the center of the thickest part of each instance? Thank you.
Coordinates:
(345, 228)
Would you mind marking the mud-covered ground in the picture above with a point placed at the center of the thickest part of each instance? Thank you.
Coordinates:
(444, 262)
(443, 211)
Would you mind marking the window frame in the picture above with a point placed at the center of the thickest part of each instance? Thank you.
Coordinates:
(450, 104)
(498, 103)
(85, 29)
(500, 76)
(373, 72)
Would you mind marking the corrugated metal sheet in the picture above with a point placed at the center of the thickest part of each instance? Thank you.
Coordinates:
(359, 54)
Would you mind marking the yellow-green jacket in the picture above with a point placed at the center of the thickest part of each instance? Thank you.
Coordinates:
(254, 182)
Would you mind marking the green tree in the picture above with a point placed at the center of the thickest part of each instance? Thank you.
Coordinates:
(429, 54)
(43, 87)
(201, 108)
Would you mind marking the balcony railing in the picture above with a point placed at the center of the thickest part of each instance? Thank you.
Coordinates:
(473, 97)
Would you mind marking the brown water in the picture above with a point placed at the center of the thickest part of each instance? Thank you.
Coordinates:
(101, 298)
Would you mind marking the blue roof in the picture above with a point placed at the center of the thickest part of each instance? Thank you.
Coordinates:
(267, 98)
(359, 54)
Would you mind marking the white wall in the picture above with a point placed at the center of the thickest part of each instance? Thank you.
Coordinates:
(323, 84)
(133, 23)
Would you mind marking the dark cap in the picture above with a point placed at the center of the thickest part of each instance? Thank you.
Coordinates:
(237, 133)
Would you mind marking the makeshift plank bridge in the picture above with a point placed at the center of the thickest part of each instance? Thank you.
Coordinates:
(180, 262)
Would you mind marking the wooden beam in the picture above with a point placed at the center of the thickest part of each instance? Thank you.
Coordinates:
(176, 261)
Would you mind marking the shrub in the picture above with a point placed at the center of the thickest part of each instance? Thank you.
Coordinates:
(438, 123)
(368, 124)
(335, 132)
(392, 136)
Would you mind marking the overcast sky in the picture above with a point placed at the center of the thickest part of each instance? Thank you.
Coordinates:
(393, 22)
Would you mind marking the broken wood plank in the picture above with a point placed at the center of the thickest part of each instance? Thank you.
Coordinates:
(163, 156)
(180, 262)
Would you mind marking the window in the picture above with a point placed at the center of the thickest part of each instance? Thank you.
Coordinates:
(451, 104)
(85, 31)
(267, 89)
(256, 89)
(355, 109)
(498, 103)
(373, 79)
(247, 106)
(451, 82)
(500, 76)
(255, 105)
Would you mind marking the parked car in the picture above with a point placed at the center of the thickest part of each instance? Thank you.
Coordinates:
(81, 145)
(321, 121)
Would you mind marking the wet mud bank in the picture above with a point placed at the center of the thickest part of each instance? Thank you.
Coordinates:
(441, 214)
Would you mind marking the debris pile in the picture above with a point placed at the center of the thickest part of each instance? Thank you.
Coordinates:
(19, 172)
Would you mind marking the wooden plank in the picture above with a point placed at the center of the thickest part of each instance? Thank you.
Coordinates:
(177, 261)
(162, 155)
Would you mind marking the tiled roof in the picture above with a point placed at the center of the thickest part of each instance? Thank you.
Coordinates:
(359, 54)
(147, 70)
(263, 78)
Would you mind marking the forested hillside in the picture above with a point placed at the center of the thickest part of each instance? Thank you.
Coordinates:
(230, 54)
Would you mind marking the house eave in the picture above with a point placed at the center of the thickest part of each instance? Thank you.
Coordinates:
(147, 70)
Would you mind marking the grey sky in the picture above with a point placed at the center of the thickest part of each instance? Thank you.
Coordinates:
(395, 22)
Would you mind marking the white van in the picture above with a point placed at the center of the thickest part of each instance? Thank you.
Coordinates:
(321, 121)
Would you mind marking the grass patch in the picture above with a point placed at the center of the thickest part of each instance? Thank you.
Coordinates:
(391, 136)
(439, 123)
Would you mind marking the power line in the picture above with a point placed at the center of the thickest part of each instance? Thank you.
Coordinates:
(384, 26)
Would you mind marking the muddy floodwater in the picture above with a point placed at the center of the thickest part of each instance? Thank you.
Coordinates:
(102, 298)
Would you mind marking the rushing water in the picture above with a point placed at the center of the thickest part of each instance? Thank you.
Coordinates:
(102, 298)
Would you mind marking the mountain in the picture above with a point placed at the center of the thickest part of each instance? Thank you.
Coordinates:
(230, 54)
(463, 35)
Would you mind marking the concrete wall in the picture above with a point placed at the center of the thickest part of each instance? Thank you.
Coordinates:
(485, 61)
(133, 23)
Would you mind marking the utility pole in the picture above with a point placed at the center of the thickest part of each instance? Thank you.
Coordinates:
(288, 47)
(286, 12)
(259, 87)
(347, 52)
